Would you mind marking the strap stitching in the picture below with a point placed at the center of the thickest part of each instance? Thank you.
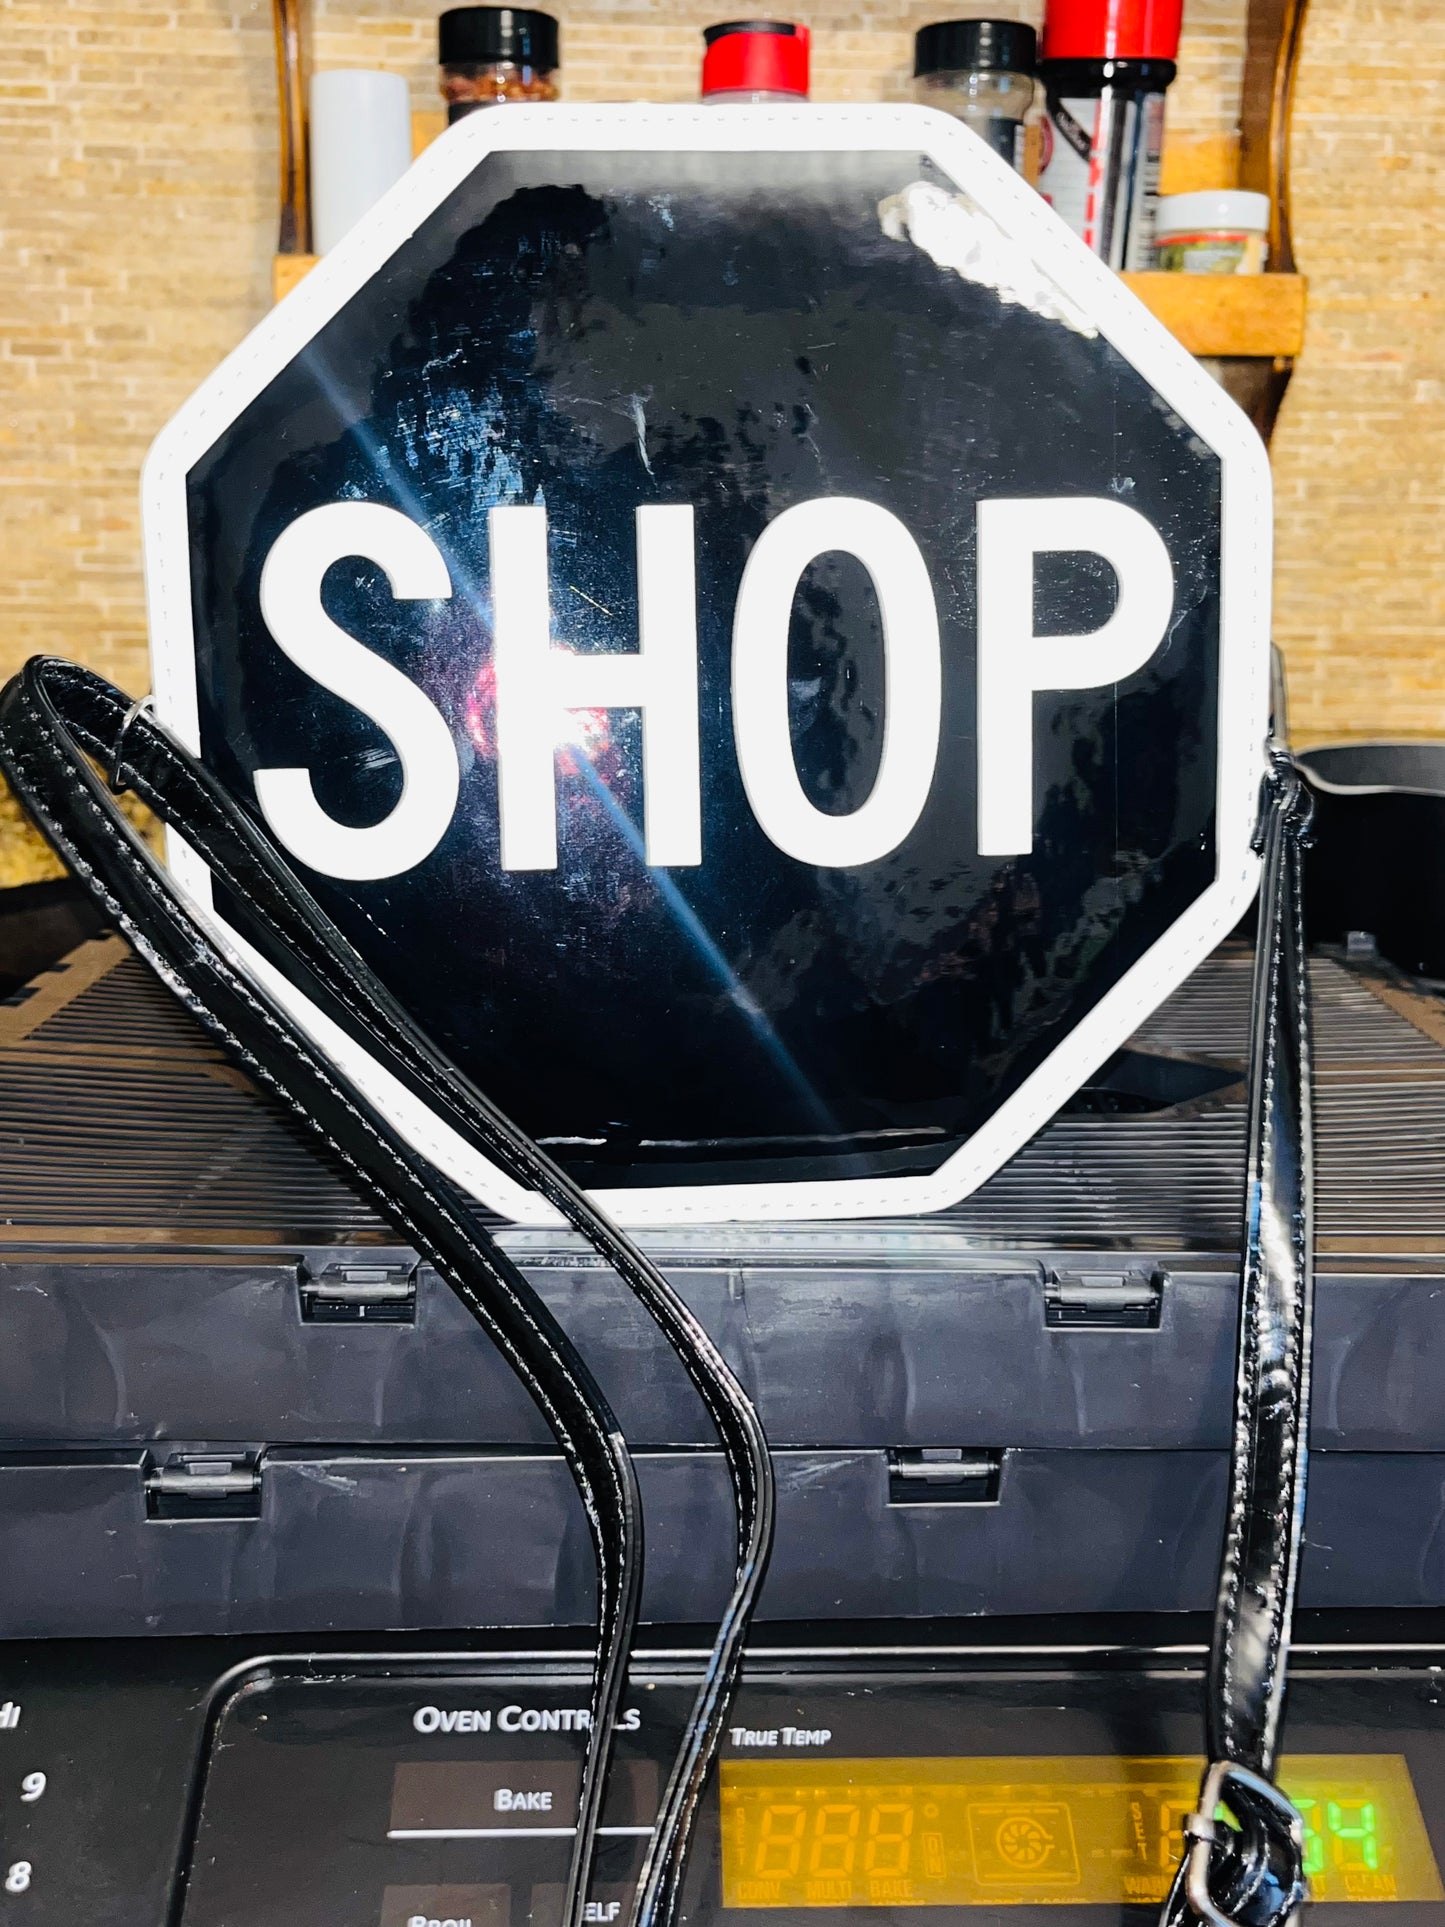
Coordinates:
(608, 1585)
(1279, 871)
(1296, 1363)
(152, 792)
(174, 772)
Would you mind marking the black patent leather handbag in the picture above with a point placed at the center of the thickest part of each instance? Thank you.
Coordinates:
(60, 725)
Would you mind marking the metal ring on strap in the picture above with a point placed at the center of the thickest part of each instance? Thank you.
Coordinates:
(1203, 1832)
(142, 706)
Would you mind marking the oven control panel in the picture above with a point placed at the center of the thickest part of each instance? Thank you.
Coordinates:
(178, 1783)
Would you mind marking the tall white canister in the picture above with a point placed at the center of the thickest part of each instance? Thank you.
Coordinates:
(360, 146)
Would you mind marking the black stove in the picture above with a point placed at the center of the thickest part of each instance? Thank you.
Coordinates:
(295, 1587)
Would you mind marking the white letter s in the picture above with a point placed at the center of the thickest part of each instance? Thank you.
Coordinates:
(291, 609)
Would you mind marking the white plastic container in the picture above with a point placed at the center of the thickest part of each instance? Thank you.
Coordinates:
(1218, 231)
(360, 146)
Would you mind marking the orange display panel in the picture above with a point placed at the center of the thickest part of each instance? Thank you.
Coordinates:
(1037, 1831)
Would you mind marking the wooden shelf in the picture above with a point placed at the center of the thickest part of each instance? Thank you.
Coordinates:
(1253, 324)
(287, 270)
(1259, 316)
(1226, 317)
(1245, 316)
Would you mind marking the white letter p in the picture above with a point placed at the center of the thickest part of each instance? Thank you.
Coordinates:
(1013, 662)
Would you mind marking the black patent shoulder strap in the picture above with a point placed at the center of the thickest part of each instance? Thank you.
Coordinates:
(58, 704)
(1267, 1479)
(302, 940)
(1252, 1872)
(52, 716)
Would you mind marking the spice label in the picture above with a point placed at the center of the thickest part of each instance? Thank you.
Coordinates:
(1213, 253)
(1101, 174)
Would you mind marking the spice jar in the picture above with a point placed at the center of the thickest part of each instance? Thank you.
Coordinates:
(490, 55)
(982, 72)
(1106, 66)
(1219, 231)
(754, 61)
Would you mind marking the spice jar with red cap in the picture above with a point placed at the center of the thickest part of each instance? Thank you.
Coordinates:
(751, 61)
(1105, 68)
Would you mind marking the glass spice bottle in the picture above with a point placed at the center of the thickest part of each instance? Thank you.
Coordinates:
(1106, 66)
(491, 55)
(755, 62)
(982, 72)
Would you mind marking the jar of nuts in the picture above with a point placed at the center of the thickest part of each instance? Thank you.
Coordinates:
(490, 55)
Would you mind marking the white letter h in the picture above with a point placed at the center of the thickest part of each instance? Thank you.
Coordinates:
(537, 684)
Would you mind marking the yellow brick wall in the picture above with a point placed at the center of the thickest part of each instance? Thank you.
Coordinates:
(1359, 455)
(137, 208)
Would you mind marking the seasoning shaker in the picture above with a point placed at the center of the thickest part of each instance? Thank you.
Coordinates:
(1106, 66)
(982, 72)
(491, 55)
(750, 62)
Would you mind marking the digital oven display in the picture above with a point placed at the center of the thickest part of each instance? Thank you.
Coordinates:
(385, 1796)
(1033, 1831)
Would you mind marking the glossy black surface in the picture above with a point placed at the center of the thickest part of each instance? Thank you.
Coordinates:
(733, 332)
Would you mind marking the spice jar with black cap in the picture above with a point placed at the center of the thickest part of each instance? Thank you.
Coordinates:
(982, 72)
(492, 55)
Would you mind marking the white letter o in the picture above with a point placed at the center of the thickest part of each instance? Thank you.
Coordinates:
(912, 680)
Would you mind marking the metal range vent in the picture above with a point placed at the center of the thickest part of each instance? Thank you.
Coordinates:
(123, 1009)
(1354, 1027)
(120, 1121)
